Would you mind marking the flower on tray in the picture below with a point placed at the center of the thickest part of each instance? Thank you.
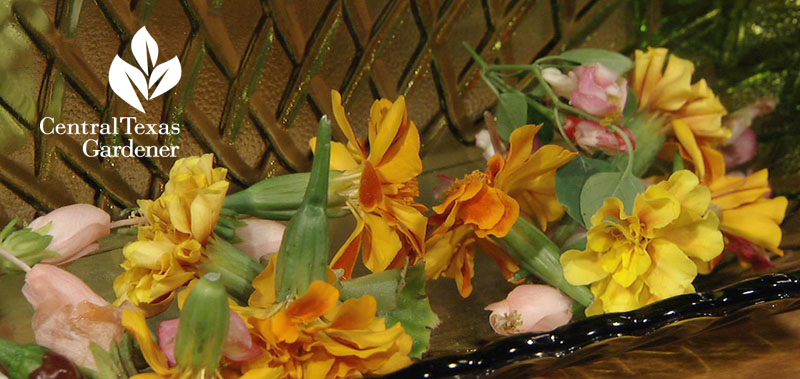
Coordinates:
(170, 248)
(391, 227)
(632, 260)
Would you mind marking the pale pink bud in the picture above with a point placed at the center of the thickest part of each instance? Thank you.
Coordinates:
(562, 84)
(530, 308)
(68, 316)
(260, 238)
(75, 229)
(742, 119)
(743, 144)
(483, 140)
(239, 345)
(590, 135)
(601, 92)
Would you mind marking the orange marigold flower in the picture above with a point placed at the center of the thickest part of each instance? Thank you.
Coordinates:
(315, 336)
(391, 227)
(489, 203)
(693, 111)
(749, 219)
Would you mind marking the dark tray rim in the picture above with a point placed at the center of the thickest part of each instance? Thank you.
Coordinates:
(570, 339)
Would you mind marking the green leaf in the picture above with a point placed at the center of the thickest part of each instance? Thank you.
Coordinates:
(610, 59)
(631, 105)
(401, 298)
(512, 112)
(106, 367)
(570, 181)
(604, 185)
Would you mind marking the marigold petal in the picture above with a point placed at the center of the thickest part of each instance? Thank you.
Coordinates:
(382, 243)
(370, 194)
(340, 116)
(672, 273)
(347, 255)
(402, 162)
(698, 237)
(354, 313)
(264, 284)
(689, 142)
(320, 299)
(342, 159)
(758, 222)
(581, 267)
(135, 323)
(484, 210)
(387, 130)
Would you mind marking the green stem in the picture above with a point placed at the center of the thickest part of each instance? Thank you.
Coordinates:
(629, 144)
(538, 255)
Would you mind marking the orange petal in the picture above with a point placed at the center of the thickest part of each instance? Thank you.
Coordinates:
(320, 299)
(347, 255)
(355, 313)
(484, 210)
(285, 330)
(370, 194)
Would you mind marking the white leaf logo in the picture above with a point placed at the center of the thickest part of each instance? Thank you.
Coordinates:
(124, 77)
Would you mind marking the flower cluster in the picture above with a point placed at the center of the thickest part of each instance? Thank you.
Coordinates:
(577, 211)
(170, 247)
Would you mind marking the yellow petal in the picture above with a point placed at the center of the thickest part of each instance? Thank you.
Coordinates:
(264, 373)
(344, 125)
(387, 130)
(656, 208)
(697, 237)
(673, 88)
(581, 267)
(402, 162)
(758, 222)
(205, 209)
(383, 243)
(672, 273)
(135, 323)
(688, 142)
(264, 284)
(342, 159)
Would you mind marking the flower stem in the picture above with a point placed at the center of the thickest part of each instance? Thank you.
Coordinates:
(127, 222)
(538, 255)
(22, 265)
(629, 166)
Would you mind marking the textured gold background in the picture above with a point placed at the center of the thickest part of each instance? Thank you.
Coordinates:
(256, 78)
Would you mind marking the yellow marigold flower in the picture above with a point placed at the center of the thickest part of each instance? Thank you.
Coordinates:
(317, 337)
(488, 203)
(694, 113)
(746, 211)
(180, 223)
(391, 227)
(652, 254)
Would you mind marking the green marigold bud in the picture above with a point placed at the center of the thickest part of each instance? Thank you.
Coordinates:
(203, 328)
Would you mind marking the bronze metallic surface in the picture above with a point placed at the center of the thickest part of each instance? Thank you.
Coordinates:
(256, 77)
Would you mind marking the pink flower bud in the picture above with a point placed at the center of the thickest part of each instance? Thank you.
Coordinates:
(562, 85)
(239, 345)
(530, 308)
(260, 238)
(590, 135)
(601, 92)
(743, 144)
(75, 230)
(68, 316)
